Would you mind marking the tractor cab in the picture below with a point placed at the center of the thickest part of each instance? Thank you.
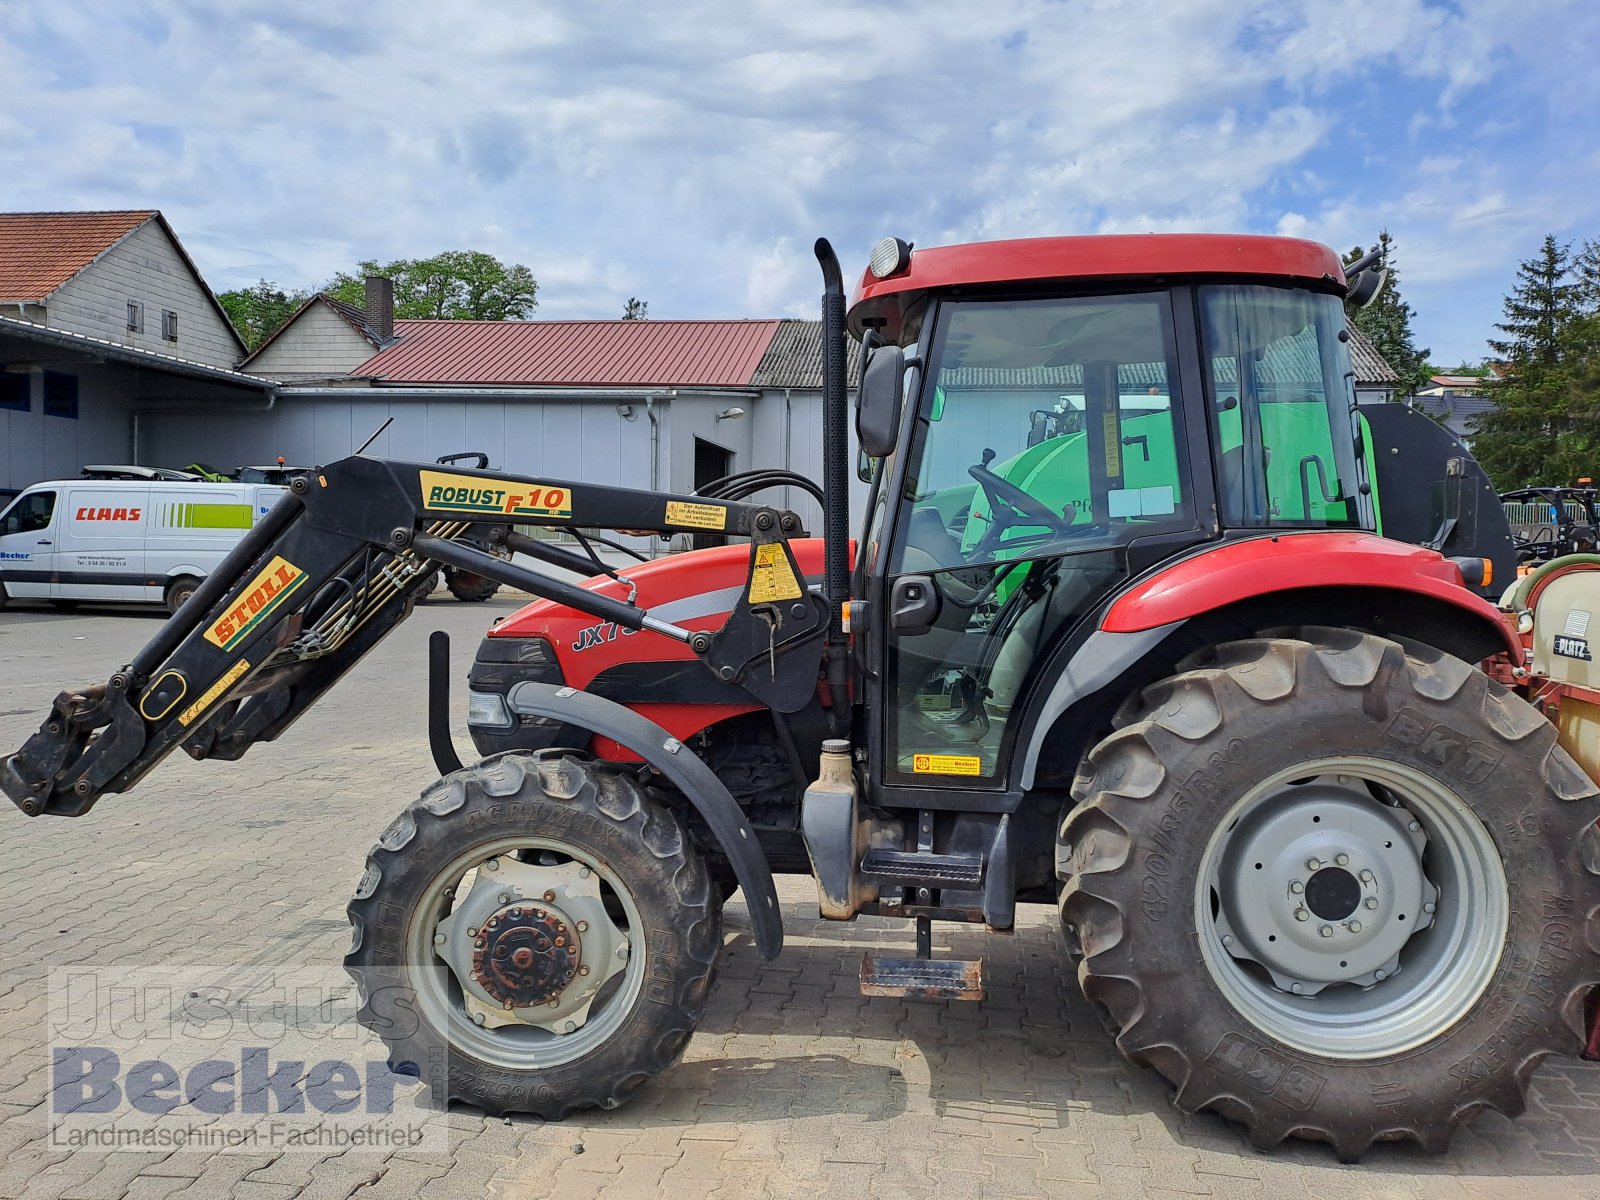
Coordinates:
(1048, 423)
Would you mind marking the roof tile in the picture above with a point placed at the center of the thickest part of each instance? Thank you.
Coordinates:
(573, 353)
(40, 251)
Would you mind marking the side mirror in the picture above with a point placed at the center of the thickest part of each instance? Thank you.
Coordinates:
(879, 398)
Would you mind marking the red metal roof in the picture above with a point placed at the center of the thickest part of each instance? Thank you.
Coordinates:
(40, 251)
(1107, 256)
(573, 353)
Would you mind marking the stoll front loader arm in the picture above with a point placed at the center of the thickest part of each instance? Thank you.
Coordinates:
(338, 563)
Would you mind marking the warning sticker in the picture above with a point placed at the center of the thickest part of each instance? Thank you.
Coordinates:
(946, 764)
(696, 516)
(187, 716)
(771, 576)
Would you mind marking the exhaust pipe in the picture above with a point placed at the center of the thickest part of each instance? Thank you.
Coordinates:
(835, 485)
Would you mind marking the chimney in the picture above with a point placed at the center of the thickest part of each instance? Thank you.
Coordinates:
(380, 308)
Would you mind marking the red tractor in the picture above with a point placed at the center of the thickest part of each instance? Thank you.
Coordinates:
(1121, 633)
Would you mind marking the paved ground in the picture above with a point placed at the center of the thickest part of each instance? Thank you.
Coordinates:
(795, 1086)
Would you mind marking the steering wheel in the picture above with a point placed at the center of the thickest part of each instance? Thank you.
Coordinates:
(1003, 494)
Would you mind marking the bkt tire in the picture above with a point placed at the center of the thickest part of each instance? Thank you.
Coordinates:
(493, 907)
(1336, 889)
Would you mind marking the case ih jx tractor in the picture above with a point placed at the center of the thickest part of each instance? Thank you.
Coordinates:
(1122, 633)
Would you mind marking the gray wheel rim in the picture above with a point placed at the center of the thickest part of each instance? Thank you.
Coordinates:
(524, 1047)
(1341, 842)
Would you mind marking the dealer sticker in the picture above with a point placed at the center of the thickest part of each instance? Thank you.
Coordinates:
(946, 764)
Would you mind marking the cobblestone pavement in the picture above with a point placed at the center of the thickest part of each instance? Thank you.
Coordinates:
(796, 1085)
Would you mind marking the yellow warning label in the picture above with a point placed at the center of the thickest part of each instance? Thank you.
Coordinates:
(187, 716)
(946, 764)
(696, 516)
(1113, 443)
(501, 497)
(771, 576)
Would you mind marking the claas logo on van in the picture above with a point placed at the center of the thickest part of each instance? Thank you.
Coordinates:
(108, 514)
(262, 597)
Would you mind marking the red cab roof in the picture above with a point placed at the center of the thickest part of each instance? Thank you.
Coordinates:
(1107, 256)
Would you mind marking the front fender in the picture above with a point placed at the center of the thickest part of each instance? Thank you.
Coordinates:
(691, 775)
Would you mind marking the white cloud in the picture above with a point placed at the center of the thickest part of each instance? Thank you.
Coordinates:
(689, 154)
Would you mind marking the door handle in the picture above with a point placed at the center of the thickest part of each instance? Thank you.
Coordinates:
(45, 542)
(914, 604)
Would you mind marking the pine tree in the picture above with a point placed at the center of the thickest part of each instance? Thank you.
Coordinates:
(1543, 429)
(1387, 321)
(1586, 275)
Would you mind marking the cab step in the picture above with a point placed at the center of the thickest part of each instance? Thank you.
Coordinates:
(922, 978)
(923, 868)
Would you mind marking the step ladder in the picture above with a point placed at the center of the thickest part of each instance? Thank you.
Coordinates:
(922, 870)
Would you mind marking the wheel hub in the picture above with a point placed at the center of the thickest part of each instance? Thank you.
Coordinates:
(525, 954)
(1323, 885)
(531, 944)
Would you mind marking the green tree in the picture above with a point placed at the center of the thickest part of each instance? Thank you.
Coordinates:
(455, 285)
(1544, 428)
(1387, 321)
(636, 309)
(258, 311)
(1586, 275)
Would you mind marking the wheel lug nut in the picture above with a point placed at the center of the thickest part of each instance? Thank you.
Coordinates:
(472, 931)
(1414, 827)
(1227, 940)
(1313, 864)
(1296, 988)
(477, 1018)
(583, 927)
(583, 970)
(1326, 931)
(1380, 974)
(1297, 887)
(1342, 860)
(569, 1027)
(1354, 927)
(1428, 907)
(493, 864)
(549, 897)
(438, 939)
(1366, 877)
(1371, 902)
(504, 898)
(1301, 914)
(584, 872)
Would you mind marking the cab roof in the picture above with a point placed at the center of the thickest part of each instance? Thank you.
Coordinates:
(1142, 256)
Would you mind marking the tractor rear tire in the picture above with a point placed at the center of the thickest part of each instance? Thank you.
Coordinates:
(1183, 862)
(521, 805)
(469, 586)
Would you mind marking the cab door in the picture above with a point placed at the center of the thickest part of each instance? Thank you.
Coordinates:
(1047, 456)
(28, 536)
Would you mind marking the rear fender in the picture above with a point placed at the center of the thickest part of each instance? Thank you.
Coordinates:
(685, 769)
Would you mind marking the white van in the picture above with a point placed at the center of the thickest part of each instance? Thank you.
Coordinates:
(88, 539)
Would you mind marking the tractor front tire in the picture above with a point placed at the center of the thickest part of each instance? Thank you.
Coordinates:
(1335, 888)
(520, 815)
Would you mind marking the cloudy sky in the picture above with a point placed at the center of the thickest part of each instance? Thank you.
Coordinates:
(688, 153)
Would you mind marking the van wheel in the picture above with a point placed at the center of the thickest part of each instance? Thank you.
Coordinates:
(179, 590)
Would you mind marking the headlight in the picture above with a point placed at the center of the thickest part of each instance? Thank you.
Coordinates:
(488, 710)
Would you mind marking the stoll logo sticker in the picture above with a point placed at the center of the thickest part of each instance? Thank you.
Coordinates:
(243, 1059)
(261, 597)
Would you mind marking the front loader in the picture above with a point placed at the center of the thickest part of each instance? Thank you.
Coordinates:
(1120, 634)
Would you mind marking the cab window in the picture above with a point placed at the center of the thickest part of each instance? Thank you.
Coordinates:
(1049, 427)
(29, 514)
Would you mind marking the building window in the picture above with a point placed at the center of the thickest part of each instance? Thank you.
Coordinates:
(60, 395)
(169, 325)
(14, 391)
(135, 317)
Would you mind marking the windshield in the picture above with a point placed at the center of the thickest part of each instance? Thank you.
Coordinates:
(1281, 407)
(1050, 428)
